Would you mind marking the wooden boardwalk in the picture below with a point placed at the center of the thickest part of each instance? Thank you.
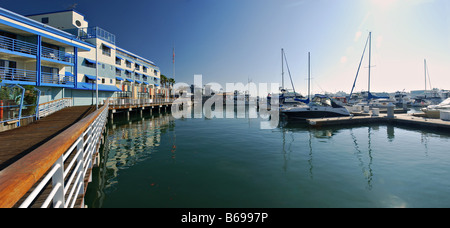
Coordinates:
(18, 142)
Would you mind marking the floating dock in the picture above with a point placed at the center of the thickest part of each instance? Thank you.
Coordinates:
(410, 119)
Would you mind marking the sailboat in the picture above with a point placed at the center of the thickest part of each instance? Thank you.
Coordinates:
(288, 98)
(372, 101)
(320, 106)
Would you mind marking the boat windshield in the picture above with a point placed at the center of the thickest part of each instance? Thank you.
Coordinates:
(445, 102)
(321, 101)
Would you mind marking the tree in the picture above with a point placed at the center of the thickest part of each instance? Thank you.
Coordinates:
(163, 80)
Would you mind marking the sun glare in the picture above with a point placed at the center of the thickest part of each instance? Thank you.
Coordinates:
(384, 4)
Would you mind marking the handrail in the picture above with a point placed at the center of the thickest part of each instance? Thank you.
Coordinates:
(48, 108)
(18, 178)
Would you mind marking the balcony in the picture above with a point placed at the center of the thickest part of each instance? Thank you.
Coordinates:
(17, 46)
(93, 32)
(18, 75)
(22, 48)
(14, 75)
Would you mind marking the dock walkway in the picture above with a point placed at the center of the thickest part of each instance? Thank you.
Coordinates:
(18, 142)
(399, 118)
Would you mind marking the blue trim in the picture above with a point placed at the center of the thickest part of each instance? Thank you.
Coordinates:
(46, 28)
(146, 83)
(120, 57)
(90, 61)
(129, 80)
(139, 82)
(68, 74)
(17, 82)
(17, 53)
(119, 68)
(58, 85)
(145, 75)
(119, 79)
(129, 71)
(138, 73)
(101, 87)
(108, 46)
(90, 77)
(57, 61)
(75, 65)
(134, 55)
(38, 61)
(156, 85)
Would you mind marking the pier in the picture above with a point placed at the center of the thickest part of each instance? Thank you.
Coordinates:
(48, 163)
(409, 119)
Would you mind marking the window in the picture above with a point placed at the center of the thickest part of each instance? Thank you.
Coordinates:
(44, 20)
(118, 72)
(118, 61)
(145, 69)
(128, 64)
(89, 63)
(106, 50)
(103, 81)
(137, 66)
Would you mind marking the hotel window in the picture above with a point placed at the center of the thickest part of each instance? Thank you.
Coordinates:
(128, 63)
(106, 50)
(145, 69)
(128, 74)
(118, 61)
(137, 66)
(118, 72)
(89, 63)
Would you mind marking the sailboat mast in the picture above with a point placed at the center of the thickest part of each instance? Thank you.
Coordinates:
(370, 54)
(282, 68)
(425, 69)
(309, 75)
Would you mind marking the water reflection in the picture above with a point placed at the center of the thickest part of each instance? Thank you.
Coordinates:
(325, 158)
(129, 142)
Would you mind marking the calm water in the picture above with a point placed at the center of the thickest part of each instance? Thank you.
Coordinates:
(215, 163)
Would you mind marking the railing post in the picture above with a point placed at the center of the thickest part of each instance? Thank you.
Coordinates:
(58, 182)
(80, 160)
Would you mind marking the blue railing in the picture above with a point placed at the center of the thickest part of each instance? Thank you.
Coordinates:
(51, 53)
(93, 32)
(14, 74)
(57, 79)
(14, 45)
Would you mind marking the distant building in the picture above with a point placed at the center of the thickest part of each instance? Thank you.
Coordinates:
(60, 54)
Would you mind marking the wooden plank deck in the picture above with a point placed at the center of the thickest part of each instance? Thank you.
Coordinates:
(18, 142)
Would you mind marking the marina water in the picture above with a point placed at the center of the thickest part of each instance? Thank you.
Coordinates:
(161, 162)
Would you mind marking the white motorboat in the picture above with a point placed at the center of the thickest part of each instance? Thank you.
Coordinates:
(321, 106)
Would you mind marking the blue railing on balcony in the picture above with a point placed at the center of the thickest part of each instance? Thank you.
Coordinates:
(14, 74)
(15, 45)
(93, 32)
(51, 53)
(57, 79)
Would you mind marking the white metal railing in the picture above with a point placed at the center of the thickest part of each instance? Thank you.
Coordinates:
(125, 102)
(68, 172)
(48, 108)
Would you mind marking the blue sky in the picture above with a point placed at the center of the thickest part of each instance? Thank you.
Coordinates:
(236, 40)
